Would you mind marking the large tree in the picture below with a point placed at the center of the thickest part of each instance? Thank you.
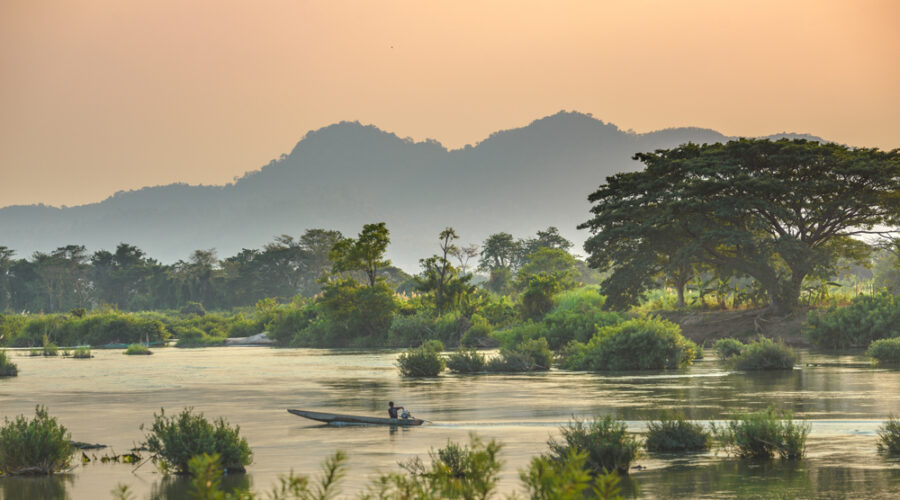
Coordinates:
(778, 211)
(365, 253)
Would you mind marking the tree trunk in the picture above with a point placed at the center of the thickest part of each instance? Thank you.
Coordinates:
(679, 289)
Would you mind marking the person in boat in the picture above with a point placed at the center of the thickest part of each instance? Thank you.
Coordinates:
(393, 410)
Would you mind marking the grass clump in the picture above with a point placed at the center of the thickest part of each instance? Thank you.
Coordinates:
(422, 361)
(529, 356)
(765, 354)
(177, 439)
(38, 446)
(674, 433)
(885, 351)
(466, 361)
(637, 344)
(763, 434)
(608, 445)
(728, 348)
(889, 437)
(138, 349)
(82, 353)
(7, 367)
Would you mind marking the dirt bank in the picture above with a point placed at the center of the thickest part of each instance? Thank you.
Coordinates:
(708, 326)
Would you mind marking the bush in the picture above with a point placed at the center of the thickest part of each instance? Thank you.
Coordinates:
(194, 308)
(196, 337)
(728, 348)
(867, 318)
(576, 316)
(762, 434)
(567, 479)
(765, 354)
(529, 356)
(7, 367)
(411, 330)
(676, 434)
(423, 361)
(50, 349)
(38, 446)
(137, 349)
(512, 337)
(637, 344)
(885, 351)
(176, 439)
(608, 445)
(82, 353)
(889, 437)
(466, 361)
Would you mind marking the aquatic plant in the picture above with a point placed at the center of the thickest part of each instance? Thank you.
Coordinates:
(529, 356)
(765, 354)
(636, 344)
(176, 439)
(567, 479)
(885, 351)
(37, 446)
(728, 348)
(763, 434)
(423, 361)
(466, 361)
(137, 349)
(82, 353)
(7, 367)
(674, 433)
(889, 436)
(865, 319)
(606, 441)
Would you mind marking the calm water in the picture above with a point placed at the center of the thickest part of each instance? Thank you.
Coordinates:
(107, 398)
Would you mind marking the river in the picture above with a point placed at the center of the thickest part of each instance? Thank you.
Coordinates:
(107, 398)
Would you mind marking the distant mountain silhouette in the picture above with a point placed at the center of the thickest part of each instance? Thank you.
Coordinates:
(347, 174)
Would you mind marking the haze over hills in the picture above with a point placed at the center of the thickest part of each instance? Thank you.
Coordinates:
(347, 174)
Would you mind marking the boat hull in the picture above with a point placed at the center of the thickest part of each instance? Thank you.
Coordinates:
(338, 419)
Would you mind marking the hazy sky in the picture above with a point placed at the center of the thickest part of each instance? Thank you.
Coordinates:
(102, 95)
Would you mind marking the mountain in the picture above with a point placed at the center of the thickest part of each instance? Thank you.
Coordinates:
(347, 174)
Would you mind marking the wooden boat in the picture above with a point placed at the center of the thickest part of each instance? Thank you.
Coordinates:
(337, 419)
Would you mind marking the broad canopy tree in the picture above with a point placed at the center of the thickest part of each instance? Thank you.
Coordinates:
(778, 211)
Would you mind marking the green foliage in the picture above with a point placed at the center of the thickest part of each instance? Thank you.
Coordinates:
(410, 330)
(885, 351)
(350, 315)
(537, 298)
(90, 329)
(176, 439)
(137, 350)
(423, 361)
(82, 353)
(567, 478)
(606, 441)
(636, 344)
(765, 354)
(674, 433)
(364, 253)
(50, 349)
(763, 434)
(865, 319)
(889, 437)
(7, 367)
(195, 337)
(528, 356)
(288, 321)
(479, 332)
(194, 308)
(37, 446)
(466, 361)
(576, 316)
(728, 348)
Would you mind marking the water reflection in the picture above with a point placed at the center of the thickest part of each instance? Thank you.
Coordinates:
(170, 487)
(32, 487)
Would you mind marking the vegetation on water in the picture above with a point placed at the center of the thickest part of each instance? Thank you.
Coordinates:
(763, 434)
(529, 356)
(137, 349)
(866, 319)
(7, 367)
(636, 344)
(889, 437)
(765, 354)
(886, 352)
(672, 433)
(38, 446)
(728, 348)
(609, 446)
(82, 353)
(423, 361)
(176, 439)
(466, 361)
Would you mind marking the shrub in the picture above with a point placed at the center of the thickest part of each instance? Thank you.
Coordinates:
(512, 337)
(38, 446)
(82, 353)
(423, 361)
(576, 316)
(889, 436)
(530, 355)
(50, 349)
(765, 354)
(608, 445)
(137, 349)
(867, 318)
(762, 434)
(410, 330)
(196, 337)
(728, 348)
(674, 433)
(194, 308)
(567, 479)
(176, 439)
(466, 361)
(478, 333)
(637, 344)
(885, 351)
(7, 367)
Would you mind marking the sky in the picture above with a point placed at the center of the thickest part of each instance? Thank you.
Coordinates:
(98, 96)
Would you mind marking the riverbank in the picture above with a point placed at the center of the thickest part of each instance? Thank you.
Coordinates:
(705, 327)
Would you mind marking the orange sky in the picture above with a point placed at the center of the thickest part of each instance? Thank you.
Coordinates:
(102, 95)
